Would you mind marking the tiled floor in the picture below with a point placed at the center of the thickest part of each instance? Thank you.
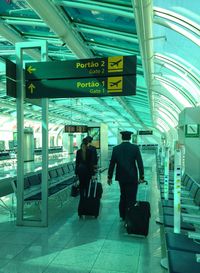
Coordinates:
(87, 245)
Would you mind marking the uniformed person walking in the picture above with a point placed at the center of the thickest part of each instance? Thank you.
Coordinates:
(129, 170)
(94, 153)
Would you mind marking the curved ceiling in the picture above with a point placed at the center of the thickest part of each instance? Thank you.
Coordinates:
(163, 34)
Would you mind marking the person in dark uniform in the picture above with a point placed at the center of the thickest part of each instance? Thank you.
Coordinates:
(128, 161)
(94, 152)
(84, 167)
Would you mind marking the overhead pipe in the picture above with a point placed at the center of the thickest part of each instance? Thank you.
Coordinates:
(110, 34)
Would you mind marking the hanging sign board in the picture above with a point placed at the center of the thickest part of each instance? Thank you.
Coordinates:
(83, 68)
(76, 88)
(147, 132)
(111, 76)
(75, 129)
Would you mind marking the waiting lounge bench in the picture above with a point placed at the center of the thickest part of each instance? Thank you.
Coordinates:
(182, 251)
(59, 179)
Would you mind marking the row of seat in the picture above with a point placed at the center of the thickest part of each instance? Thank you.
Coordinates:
(59, 178)
(182, 251)
(57, 149)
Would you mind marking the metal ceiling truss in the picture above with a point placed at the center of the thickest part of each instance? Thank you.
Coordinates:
(56, 21)
(85, 28)
(144, 21)
(123, 103)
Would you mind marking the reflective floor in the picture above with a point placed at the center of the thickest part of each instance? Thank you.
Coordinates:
(87, 245)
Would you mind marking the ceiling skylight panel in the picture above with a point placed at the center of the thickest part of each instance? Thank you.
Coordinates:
(120, 35)
(183, 88)
(188, 85)
(180, 64)
(169, 120)
(162, 124)
(180, 30)
(178, 19)
(163, 100)
(168, 110)
(177, 95)
(97, 7)
(112, 51)
(160, 128)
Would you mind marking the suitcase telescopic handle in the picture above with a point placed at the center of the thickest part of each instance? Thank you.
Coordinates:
(144, 183)
(92, 180)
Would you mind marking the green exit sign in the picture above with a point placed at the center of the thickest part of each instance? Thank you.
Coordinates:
(192, 130)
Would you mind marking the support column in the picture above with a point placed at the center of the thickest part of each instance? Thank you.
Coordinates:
(177, 190)
(43, 218)
(70, 140)
(166, 174)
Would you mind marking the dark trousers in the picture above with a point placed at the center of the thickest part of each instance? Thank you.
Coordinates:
(84, 180)
(128, 193)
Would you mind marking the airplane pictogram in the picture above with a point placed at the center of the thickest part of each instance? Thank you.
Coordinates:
(115, 63)
(115, 83)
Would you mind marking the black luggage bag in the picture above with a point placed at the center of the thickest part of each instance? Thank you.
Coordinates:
(90, 204)
(75, 190)
(137, 218)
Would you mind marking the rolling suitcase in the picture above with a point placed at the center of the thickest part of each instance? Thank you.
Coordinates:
(137, 218)
(90, 204)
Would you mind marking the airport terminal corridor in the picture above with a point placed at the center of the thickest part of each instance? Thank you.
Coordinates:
(85, 245)
(75, 69)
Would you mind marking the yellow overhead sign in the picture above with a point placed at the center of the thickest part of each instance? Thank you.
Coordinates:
(115, 64)
(115, 84)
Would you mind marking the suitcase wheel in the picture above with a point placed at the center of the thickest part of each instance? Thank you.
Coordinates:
(128, 230)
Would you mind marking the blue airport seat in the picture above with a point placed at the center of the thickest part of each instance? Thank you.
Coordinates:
(167, 203)
(170, 210)
(168, 221)
(60, 171)
(182, 262)
(53, 173)
(35, 197)
(35, 179)
(181, 242)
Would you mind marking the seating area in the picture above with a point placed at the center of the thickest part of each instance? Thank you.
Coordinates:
(59, 178)
(182, 249)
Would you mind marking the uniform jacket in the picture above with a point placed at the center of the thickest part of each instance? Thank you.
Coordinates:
(84, 166)
(94, 154)
(127, 159)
